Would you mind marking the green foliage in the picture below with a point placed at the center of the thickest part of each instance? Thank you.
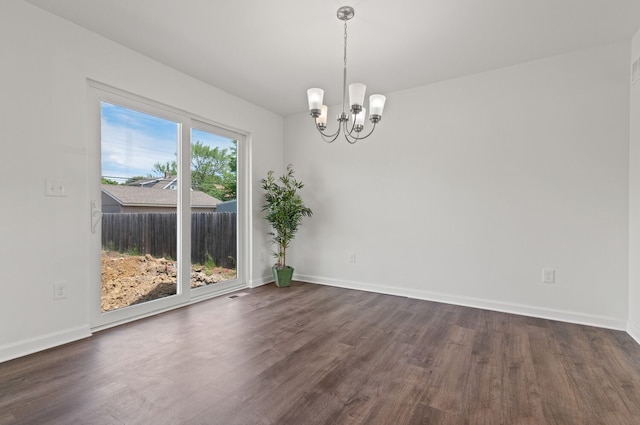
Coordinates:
(133, 251)
(208, 165)
(230, 177)
(209, 265)
(213, 170)
(284, 209)
(169, 168)
(209, 262)
(135, 179)
(104, 180)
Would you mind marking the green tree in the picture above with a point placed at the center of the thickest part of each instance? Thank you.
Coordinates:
(105, 180)
(230, 178)
(213, 170)
(208, 166)
(169, 168)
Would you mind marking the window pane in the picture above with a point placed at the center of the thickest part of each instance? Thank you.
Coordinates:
(213, 208)
(139, 198)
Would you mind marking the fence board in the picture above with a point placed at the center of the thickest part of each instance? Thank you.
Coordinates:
(213, 235)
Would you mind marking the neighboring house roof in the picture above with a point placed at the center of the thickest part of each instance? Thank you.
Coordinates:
(166, 182)
(227, 206)
(135, 196)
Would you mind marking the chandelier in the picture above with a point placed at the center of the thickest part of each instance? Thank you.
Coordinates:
(351, 125)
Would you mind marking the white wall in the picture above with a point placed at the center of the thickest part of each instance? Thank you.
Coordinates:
(470, 187)
(465, 192)
(634, 203)
(43, 126)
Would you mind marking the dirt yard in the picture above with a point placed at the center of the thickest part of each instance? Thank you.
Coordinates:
(134, 279)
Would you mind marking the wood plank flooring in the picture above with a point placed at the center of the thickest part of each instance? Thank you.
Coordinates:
(313, 354)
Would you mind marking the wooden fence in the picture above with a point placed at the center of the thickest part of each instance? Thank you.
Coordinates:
(212, 235)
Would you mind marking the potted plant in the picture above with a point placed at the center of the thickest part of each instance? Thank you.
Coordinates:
(284, 211)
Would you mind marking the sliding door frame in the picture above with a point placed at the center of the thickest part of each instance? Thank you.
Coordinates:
(97, 93)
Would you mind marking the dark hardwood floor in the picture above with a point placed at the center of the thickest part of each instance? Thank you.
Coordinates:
(314, 354)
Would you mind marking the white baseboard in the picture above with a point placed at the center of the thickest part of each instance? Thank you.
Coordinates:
(633, 329)
(254, 283)
(33, 345)
(485, 304)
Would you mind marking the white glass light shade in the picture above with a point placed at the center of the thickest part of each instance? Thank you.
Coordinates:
(356, 94)
(376, 104)
(315, 97)
(322, 119)
(359, 117)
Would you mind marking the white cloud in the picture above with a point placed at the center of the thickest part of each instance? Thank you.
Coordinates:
(128, 152)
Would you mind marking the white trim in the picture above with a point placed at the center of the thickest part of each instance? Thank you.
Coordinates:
(33, 345)
(230, 131)
(524, 310)
(215, 289)
(195, 299)
(633, 329)
(219, 290)
(264, 280)
(244, 204)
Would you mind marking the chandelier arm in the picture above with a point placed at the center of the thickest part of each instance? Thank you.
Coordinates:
(328, 135)
(357, 137)
(353, 126)
(352, 140)
(329, 138)
(347, 134)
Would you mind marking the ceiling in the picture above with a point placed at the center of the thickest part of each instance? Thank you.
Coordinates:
(271, 52)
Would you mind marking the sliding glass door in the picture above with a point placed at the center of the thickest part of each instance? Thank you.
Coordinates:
(139, 259)
(165, 219)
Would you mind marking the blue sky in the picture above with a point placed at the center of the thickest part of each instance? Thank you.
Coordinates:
(133, 141)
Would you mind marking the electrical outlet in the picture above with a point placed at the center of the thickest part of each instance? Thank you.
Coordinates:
(59, 291)
(548, 276)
